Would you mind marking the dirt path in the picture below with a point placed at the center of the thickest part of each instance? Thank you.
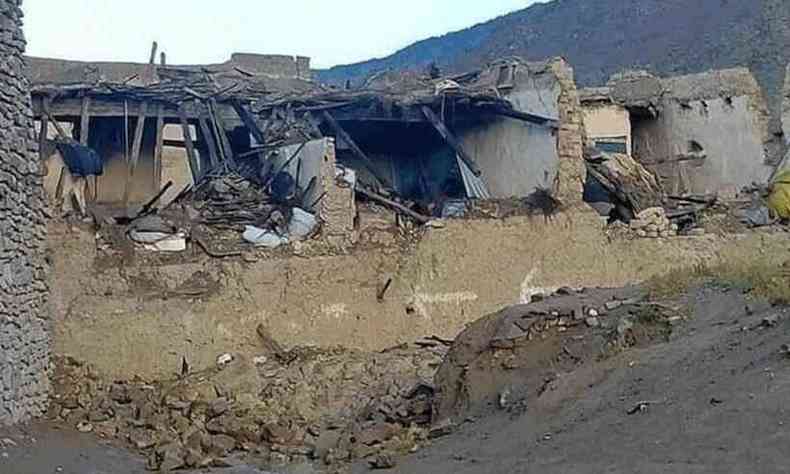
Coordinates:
(714, 399)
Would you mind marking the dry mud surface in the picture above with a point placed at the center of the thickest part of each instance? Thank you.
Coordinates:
(713, 398)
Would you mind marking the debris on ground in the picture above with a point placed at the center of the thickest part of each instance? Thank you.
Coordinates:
(303, 405)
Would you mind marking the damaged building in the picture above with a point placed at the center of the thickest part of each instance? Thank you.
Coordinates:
(419, 145)
(702, 134)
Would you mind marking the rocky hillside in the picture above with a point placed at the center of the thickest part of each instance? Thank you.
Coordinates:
(602, 37)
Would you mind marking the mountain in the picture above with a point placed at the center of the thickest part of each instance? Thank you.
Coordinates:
(602, 37)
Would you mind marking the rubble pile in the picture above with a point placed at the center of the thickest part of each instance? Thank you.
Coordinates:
(231, 201)
(509, 359)
(653, 223)
(304, 405)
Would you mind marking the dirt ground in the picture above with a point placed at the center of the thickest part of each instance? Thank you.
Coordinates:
(698, 384)
(713, 398)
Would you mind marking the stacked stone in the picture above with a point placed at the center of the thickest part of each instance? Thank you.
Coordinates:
(24, 339)
(653, 223)
(570, 137)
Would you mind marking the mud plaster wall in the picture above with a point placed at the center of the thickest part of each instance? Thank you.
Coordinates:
(24, 322)
(607, 121)
(723, 111)
(121, 320)
(517, 157)
(730, 134)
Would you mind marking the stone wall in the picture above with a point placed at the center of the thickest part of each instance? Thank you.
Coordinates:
(570, 137)
(24, 322)
(786, 106)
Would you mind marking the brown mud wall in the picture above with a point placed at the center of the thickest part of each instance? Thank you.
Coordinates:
(141, 319)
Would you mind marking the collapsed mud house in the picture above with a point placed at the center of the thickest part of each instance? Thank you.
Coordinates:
(702, 134)
(420, 139)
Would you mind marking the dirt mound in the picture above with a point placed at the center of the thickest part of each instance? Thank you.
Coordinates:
(511, 357)
(711, 396)
(298, 406)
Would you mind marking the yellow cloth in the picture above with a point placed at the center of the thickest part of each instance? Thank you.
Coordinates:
(779, 200)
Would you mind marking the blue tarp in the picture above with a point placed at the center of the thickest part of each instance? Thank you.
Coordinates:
(81, 160)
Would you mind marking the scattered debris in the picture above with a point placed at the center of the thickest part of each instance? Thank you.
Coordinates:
(224, 360)
(640, 407)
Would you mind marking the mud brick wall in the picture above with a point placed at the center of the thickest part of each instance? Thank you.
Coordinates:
(24, 322)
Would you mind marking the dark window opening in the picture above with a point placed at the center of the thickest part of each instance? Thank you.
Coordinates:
(411, 156)
(613, 145)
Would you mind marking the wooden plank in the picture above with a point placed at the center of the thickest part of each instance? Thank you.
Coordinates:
(160, 137)
(422, 219)
(46, 109)
(451, 140)
(341, 132)
(154, 48)
(42, 133)
(189, 144)
(249, 122)
(85, 120)
(208, 138)
(138, 136)
(227, 150)
(68, 109)
(524, 117)
(137, 144)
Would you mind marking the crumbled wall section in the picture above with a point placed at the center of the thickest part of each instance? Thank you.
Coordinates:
(337, 208)
(24, 339)
(710, 134)
(570, 138)
(274, 64)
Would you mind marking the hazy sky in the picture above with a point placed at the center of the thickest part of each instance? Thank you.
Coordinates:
(202, 31)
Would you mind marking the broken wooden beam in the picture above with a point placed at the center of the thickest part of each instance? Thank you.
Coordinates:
(249, 122)
(154, 48)
(160, 136)
(137, 144)
(450, 139)
(524, 116)
(85, 120)
(188, 143)
(148, 206)
(341, 132)
(45, 105)
(43, 134)
(138, 135)
(422, 219)
(208, 139)
(222, 136)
